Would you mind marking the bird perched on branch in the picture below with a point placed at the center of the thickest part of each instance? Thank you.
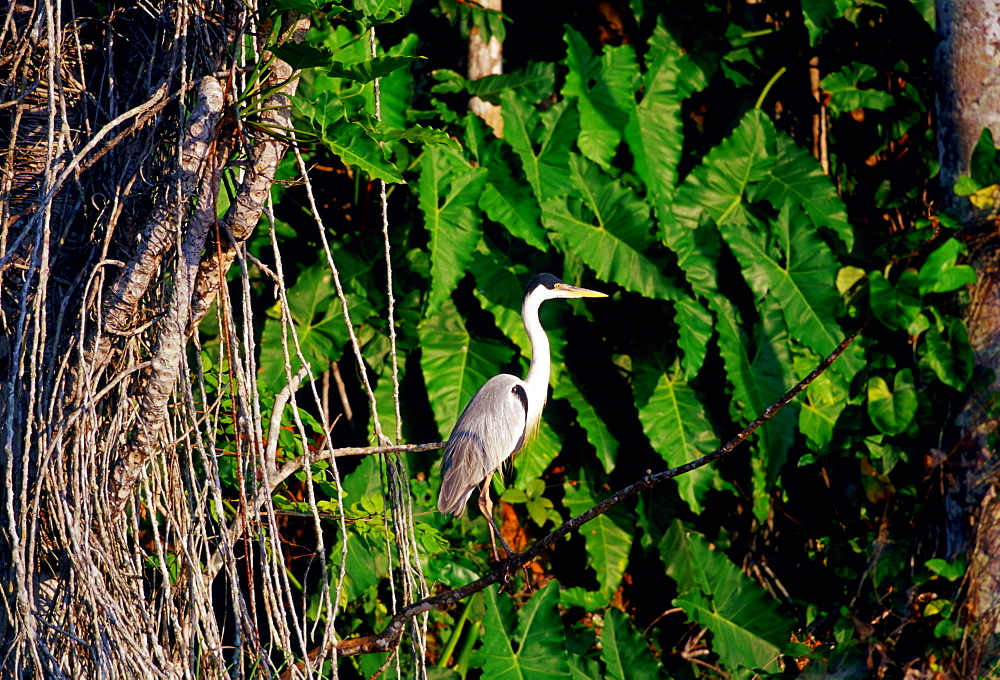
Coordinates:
(502, 414)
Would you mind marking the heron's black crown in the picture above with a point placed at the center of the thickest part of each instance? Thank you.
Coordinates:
(547, 280)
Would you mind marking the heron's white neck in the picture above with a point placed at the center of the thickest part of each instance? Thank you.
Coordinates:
(537, 380)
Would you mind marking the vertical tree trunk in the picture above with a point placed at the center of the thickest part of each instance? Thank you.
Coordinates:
(969, 101)
(486, 59)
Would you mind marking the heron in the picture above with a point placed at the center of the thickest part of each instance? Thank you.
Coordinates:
(502, 415)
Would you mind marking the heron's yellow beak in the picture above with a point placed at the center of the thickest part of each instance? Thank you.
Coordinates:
(568, 291)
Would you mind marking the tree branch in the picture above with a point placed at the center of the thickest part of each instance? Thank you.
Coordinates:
(389, 637)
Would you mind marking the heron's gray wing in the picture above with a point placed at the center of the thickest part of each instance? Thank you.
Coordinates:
(489, 430)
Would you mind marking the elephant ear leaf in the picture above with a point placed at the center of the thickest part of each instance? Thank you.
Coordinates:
(449, 194)
(747, 630)
(530, 644)
(455, 364)
(609, 228)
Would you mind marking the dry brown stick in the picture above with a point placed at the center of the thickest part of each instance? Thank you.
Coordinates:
(389, 637)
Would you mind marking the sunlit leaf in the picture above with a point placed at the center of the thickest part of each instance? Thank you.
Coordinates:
(897, 306)
(512, 205)
(822, 403)
(948, 354)
(654, 129)
(369, 69)
(542, 141)
(603, 87)
(534, 82)
(449, 190)
(536, 632)
(608, 544)
(795, 267)
(354, 146)
(846, 92)
(675, 423)
(716, 188)
(798, 178)
(318, 320)
(747, 630)
(940, 274)
(380, 10)
(758, 376)
(415, 134)
(608, 229)
(696, 325)
(624, 653)
(892, 409)
(818, 16)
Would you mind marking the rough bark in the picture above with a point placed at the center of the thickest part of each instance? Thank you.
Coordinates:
(969, 101)
(486, 59)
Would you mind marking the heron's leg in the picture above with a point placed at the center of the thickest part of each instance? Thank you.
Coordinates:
(486, 507)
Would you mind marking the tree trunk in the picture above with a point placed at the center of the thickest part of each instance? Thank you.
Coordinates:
(968, 102)
(486, 59)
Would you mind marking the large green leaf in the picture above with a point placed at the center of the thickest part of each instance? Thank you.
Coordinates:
(940, 274)
(818, 16)
(318, 319)
(511, 204)
(677, 427)
(798, 178)
(823, 401)
(747, 630)
(624, 653)
(948, 354)
(542, 141)
(397, 88)
(846, 93)
(897, 306)
(449, 192)
(758, 377)
(598, 434)
(695, 324)
(714, 193)
(536, 633)
(535, 82)
(604, 88)
(716, 188)
(654, 129)
(795, 267)
(454, 364)
(367, 70)
(500, 291)
(608, 229)
(892, 409)
(608, 545)
(538, 452)
(354, 145)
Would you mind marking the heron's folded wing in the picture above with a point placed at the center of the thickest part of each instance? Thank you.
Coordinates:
(489, 430)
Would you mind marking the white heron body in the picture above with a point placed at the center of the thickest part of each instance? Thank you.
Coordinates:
(503, 413)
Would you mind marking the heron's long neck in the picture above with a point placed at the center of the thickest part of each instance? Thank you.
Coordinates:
(537, 379)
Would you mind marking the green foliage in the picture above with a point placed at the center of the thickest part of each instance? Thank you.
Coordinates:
(529, 644)
(747, 628)
(655, 170)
